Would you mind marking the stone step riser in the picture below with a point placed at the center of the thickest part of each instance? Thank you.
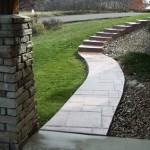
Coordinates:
(134, 26)
(101, 39)
(143, 23)
(94, 43)
(113, 36)
(127, 28)
(84, 49)
(119, 32)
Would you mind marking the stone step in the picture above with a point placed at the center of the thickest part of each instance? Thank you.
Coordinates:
(127, 28)
(134, 25)
(93, 42)
(121, 27)
(111, 30)
(143, 22)
(88, 48)
(100, 38)
(107, 34)
(118, 31)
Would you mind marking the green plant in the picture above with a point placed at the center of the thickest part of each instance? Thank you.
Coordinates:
(38, 28)
(137, 64)
(147, 11)
(148, 27)
(35, 18)
(52, 24)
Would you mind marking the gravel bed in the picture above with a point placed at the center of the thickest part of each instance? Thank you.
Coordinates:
(132, 117)
(138, 41)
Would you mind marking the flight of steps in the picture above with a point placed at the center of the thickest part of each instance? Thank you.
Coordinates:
(98, 42)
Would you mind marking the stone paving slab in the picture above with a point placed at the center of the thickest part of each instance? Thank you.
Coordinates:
(91, 109)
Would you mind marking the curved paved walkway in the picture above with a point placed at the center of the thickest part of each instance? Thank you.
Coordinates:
(90, 110)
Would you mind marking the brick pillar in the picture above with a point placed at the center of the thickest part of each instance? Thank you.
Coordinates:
(18, 113)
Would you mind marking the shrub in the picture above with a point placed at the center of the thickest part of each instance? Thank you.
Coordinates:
(136, 63)
(35, 19)
(148, 26)
(38, 28)
(52, 24)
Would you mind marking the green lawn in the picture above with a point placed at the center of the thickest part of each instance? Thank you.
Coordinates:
(58, 71)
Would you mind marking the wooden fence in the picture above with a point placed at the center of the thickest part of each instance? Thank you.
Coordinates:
(9, 7)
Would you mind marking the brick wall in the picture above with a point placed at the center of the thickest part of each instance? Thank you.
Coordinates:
(18, 113)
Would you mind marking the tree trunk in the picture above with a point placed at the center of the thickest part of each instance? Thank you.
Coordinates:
(9, 7)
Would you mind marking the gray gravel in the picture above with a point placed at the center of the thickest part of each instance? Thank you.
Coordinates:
(138, 41)
(132, 117)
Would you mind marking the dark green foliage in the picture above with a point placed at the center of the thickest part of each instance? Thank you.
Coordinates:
(148, 27)
(138, 64)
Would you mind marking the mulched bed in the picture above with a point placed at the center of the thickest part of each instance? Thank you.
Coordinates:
(132, 117)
